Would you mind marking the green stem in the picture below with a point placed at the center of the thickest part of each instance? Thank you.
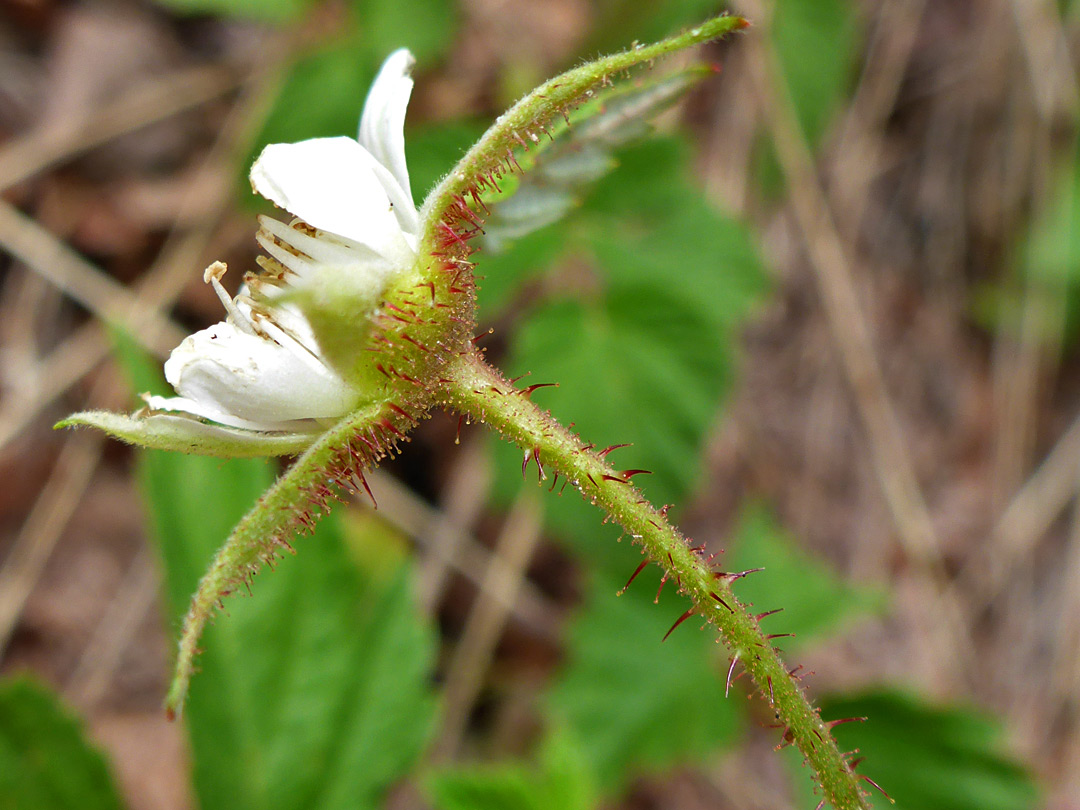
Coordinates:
(472, 387)
(293, 503)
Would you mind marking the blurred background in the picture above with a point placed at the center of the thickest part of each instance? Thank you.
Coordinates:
(833, 300)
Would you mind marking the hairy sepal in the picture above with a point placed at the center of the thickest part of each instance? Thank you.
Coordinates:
(456, 202)
(580, 150)
(331, 467)
(186, 434)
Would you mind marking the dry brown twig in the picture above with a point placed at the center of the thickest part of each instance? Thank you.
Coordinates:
(407, 512)
(472, 657)
(460, 507)
(141, 313)
(152, 100)
(33, 545)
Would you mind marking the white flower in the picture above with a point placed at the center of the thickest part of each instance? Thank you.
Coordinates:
(356, 227)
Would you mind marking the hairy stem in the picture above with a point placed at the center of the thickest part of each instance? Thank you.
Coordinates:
(294, 503)
(474, 388)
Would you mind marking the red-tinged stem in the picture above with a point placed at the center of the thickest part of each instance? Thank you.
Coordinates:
(472, 387)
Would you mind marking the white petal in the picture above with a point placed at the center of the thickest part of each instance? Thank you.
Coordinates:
(334, 184)
(382, 124)
(248, 381)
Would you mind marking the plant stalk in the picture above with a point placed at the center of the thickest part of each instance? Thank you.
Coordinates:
(473, 388)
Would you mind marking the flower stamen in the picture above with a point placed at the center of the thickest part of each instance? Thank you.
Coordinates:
(212, 276)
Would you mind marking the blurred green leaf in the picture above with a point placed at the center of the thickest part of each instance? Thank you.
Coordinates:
(636, 702)
(560, 781)
(815, 41)
(815, 601)
(433, 149)
(425, 27)
(643, 355)
(621, 21)
(324, 91)
(1047, 258)
(929, 757)
(274, 11)
(1052, 247)
(555, 172)
(314, 694)
(648, 223)
(46, 762)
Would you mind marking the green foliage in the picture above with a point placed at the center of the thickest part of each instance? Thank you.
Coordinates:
(425, 27)
(432, 150)
(273, 11)
(1051, 249)
(815, 42)
(814, 599)
(927, 756)
(324, 91)
(561, 780)
(576, 152)
(1047, 266)
(644, 355)
(45, 760)
(633, 701)
(313, 694)
(622, 21)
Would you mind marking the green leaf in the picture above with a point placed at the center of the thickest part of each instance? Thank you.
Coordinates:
(644, 356)
(815, 41)
(561, 781)
(1047, 284)
(274, 11)
(313, 694)
(815, 601)
(928, 756)
(620, 21)
(45, 761)
(648, 223)
(425, 27)
(1052, 248)
(528, 120)
(322, 96)
(324, 91)
(574, 154)
(636, 702)
(1050, 252)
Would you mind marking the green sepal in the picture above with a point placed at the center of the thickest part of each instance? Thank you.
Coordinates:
(333, 463)
(529, 121)
(578, 152)
(188, 435)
